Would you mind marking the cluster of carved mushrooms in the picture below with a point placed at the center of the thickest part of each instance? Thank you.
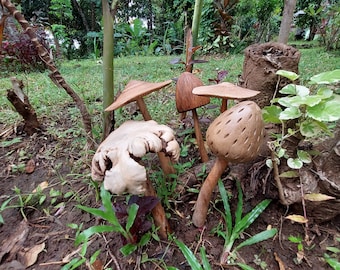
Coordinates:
(234, 136)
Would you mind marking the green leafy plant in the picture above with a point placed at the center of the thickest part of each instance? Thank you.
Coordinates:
(300, 249)
(233, 231)
(22, 201)
(333, 259)
(311, 108)
(191, 258)
(127, 220)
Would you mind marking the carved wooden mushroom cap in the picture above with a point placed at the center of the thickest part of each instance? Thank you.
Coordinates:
(185, 99)
(224, 90)
(135, 89)
(237, 133)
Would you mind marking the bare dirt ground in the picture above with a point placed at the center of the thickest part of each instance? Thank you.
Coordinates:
(45, 241)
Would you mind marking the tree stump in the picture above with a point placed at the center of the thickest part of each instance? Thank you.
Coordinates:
(260, 65)
(21, 103)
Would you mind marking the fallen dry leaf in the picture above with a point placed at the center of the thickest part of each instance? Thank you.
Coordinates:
(11, 245)
(31, 255)
(297, 218)
(41, 186)
(30, 166)
(279, 261)
(318, 197)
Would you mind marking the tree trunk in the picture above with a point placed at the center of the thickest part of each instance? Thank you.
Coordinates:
(22, 105)
(286, 21)
(82, 15)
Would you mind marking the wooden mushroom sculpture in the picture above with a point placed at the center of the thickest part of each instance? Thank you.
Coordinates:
(135, 91)
(187, 101)
(225, 91)
(116, 161)
(234, 136)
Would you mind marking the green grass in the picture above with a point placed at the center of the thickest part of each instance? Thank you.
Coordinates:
(85, 77)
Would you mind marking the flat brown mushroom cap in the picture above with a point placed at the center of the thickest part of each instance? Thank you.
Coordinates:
(224, 90)
(185, 99)
(133, 90)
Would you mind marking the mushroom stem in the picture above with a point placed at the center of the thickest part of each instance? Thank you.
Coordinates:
(163, 159)
(158, 212)
(143, 109)
(224, 105)
(203, 200)
(199, 138)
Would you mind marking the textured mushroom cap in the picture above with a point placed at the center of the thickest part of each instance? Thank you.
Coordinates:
(237, 133)
(224, 90)
(115, 158)
(185, 99)
(133, 90)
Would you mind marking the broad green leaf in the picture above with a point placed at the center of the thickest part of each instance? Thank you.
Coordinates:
(290, 113)
(325, 111)
(328, 77)
(259, 237)
(1, 219)
(294, 163)
(325, 92)
(86, 234)
(205, 261)
(269, 163)
(289, 89)
(332, 262)
(304, 156)
(271, 114)
(287, 74)
(249, 218)
(128, 249)
(297, 218)
(302, 91)
(289, 174)
(281, 152)
(311, 128)
(318, 197)
(132, 213)
(189, 255)
(225, 200)
(285, 101)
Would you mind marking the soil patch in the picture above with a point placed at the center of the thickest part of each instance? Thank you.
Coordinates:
(46, 241)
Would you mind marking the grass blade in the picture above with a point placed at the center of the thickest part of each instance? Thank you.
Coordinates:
(228, 216)
(189, 255)
(259, 237)
(239, 209)
(249, 218)
(205, 261)
(132, 213)
(332, 262)
(86, 234)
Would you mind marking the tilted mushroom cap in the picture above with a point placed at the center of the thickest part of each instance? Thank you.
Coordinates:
(224, 90)
(114, 160)
(185, 100)
(237, 133)
(133, 90)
